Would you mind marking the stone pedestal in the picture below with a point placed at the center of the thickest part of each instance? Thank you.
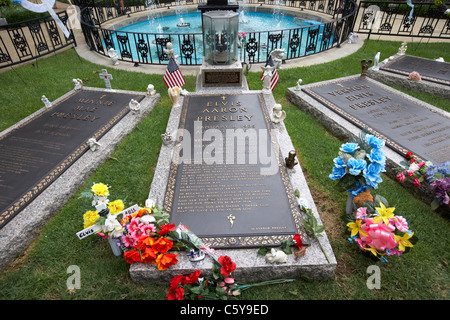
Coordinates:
(221, 76)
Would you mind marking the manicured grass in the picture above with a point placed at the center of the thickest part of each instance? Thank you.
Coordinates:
(42, 272)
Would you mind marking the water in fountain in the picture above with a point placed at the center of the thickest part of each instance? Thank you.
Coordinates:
(242, 10)
(152, 13)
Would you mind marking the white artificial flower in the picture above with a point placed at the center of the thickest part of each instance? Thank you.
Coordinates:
(303, 203)
(413, 167)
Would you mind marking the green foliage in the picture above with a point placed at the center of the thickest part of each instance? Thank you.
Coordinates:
(5, 3)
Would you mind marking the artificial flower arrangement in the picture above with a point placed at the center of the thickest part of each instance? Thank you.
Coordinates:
(359, 164)
(220, 285)
(376, 229)
(437, 177)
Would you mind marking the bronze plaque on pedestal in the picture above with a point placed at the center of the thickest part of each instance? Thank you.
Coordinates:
(227, 182)
(222, 78)
(37, 152)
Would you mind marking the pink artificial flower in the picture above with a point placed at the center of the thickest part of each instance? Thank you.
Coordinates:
(148, 228)
(361, 212)
(239, 34)
(129, 241)
(401, 223)
(134, 225)
(421, 164)
(360, 243)
(416, 182)
(137, 233)
(401, 177)
(410, 173)
(229, 280)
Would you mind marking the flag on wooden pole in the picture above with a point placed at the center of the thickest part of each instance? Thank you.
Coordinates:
(275, 76)
(172, 76)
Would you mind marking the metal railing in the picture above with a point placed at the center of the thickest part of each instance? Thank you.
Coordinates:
(424, 19)
(148, 48)
(28, 40)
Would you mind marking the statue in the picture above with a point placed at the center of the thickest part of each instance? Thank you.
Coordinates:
(134, 106)
(278, 114)
(166, 138)
(267, 78)
(353, 38)
(290, 160)
(78, 84)
(170, 52)
(93, 144)
(114, 56)
(151, 90)
(276, 256)
(298, 86)
(364, 66)
(47, 102)
(277, 57)
(402, 49)
(174, 94)
(376, 67)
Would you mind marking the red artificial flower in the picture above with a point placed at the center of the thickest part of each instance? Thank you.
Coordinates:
(191, 278)
(162, 245)
(409, 155)
(416, 183)
(166, 260)
(166, 228)
(145, 241)
(298, 241)
(132, 256)
(176, 281)
(228, 265)
(176, 294)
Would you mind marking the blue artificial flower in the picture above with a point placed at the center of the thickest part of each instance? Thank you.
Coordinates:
(349, 147)
(351, 239)
(374, 142)
(337, 173)
(16, 1)
(339, 162)
(372, 175)
(444, 168)
(359, 188)
(356, 166)
(377, 156)
(383, 259)
(430, 172)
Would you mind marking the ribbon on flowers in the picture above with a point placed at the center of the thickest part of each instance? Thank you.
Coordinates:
(379, 235)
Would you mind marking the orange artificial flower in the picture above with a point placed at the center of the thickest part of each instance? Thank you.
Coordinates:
(166, 260)
(163, 245)
(139, 213)
(149, 255)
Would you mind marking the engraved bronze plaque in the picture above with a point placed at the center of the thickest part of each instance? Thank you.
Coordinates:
(221, 184)
(34, 154)
(428, 69)
(405, 124)
(222, 78)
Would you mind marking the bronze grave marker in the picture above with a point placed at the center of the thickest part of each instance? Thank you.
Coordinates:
(222, 193)
(39, 150)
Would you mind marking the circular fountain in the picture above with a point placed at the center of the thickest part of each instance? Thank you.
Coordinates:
(142, 38)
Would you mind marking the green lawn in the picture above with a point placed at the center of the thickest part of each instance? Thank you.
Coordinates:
(41, 273)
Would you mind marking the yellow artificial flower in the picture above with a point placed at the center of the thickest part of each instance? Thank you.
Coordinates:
(403, 241)
(355, 227)
(115, 206)
(384, 214)
(90, 217)
(100, 189)
(373, 250)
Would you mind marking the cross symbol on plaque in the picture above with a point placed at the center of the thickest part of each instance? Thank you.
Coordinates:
(223, 97)
(105, 76)
(231, 219)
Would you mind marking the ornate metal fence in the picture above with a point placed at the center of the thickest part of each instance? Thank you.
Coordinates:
(28, 40)
(420, 19)
(148, 48)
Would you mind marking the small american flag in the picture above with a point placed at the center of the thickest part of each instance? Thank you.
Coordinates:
(172, 76)
(275, 76)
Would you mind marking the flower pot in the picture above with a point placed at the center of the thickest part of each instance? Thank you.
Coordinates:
(114, 247)
(349, 207)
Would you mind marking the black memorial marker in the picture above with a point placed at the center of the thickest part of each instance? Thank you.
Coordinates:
(34, 154)
(231, 202)
(431, 70)
(405, 124)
